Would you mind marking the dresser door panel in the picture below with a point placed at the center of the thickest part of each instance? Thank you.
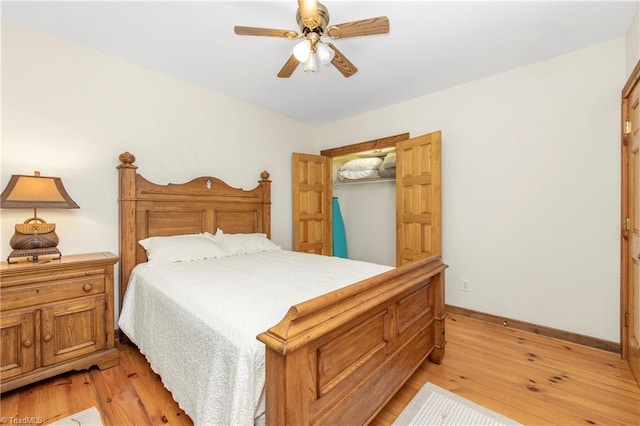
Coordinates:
(18, 350)
(73, 329)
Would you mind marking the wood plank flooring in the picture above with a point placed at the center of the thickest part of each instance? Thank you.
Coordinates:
(533, 379)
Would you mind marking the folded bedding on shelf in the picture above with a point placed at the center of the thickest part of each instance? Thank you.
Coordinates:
(369, 167)
(389, 161)
(357, 174)
(387, 168)
(358, 164)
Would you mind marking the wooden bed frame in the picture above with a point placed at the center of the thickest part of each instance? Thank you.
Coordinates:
(339, 357)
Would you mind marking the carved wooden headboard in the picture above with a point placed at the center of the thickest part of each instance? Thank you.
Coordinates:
(203, 204)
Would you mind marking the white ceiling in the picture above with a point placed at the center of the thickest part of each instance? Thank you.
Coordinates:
(432, 45)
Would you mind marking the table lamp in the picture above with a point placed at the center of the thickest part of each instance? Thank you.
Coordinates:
(35, 237)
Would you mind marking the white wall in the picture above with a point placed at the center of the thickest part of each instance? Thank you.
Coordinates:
(531, 183)
(69, 111)
(632, 43)
(369, 212)
(530, 164)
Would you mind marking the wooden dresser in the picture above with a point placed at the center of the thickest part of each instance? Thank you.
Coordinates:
(56, 316)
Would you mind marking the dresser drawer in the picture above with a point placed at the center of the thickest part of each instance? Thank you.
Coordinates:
(71, 287)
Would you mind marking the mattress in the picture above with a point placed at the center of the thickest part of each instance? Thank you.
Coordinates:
(197, 322)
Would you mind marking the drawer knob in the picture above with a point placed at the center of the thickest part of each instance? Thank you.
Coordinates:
(87, 287)
(27, 343)
(47, 337)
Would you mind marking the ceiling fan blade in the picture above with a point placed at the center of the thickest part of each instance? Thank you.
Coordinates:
(309, 13)
(342, 63)
(289, 67)
(364, 27)
(272, 32)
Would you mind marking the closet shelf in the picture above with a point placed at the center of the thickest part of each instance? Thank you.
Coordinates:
(363, 180)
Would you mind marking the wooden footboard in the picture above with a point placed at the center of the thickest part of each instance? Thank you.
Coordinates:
(340, 357)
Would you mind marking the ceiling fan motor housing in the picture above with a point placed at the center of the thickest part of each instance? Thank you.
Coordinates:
(323, 21)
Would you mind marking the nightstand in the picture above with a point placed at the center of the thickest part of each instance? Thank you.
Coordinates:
(56, 316)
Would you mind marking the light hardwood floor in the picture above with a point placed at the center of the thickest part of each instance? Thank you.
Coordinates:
(534, 380)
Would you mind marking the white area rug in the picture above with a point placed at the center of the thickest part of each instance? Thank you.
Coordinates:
(433, 405)
(88, 417)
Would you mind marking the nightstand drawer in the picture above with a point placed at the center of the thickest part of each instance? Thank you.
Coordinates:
(53, 291)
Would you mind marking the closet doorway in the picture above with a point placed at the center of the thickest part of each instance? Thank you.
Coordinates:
(418, 219)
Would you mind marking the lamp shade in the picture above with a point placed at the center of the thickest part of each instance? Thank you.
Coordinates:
(302, 51)
(312, 64)
(325, 53)
(37, 191)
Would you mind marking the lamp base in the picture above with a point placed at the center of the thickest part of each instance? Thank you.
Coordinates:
(34, 255)
(34, 234)
(33, 240)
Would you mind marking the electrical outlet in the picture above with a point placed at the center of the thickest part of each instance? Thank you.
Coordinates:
(465, 285)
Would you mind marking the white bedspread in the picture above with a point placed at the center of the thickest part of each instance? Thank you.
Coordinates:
(197, 322)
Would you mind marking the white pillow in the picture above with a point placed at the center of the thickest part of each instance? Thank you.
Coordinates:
(357, 174)
(358, 164)
(181, 248)
(234, 244)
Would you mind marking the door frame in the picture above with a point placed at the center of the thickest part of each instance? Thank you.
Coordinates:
(624, 212)
(380, 143)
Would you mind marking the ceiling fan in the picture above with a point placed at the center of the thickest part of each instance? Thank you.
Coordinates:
(313, 20)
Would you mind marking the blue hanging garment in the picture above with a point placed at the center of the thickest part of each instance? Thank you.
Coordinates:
(339, 237)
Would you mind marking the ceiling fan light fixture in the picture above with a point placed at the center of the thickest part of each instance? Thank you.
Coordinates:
(302, 51)
(325, 53)
(311, 65)
(313, 20)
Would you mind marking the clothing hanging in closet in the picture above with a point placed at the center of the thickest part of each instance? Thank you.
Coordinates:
(339, 237)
